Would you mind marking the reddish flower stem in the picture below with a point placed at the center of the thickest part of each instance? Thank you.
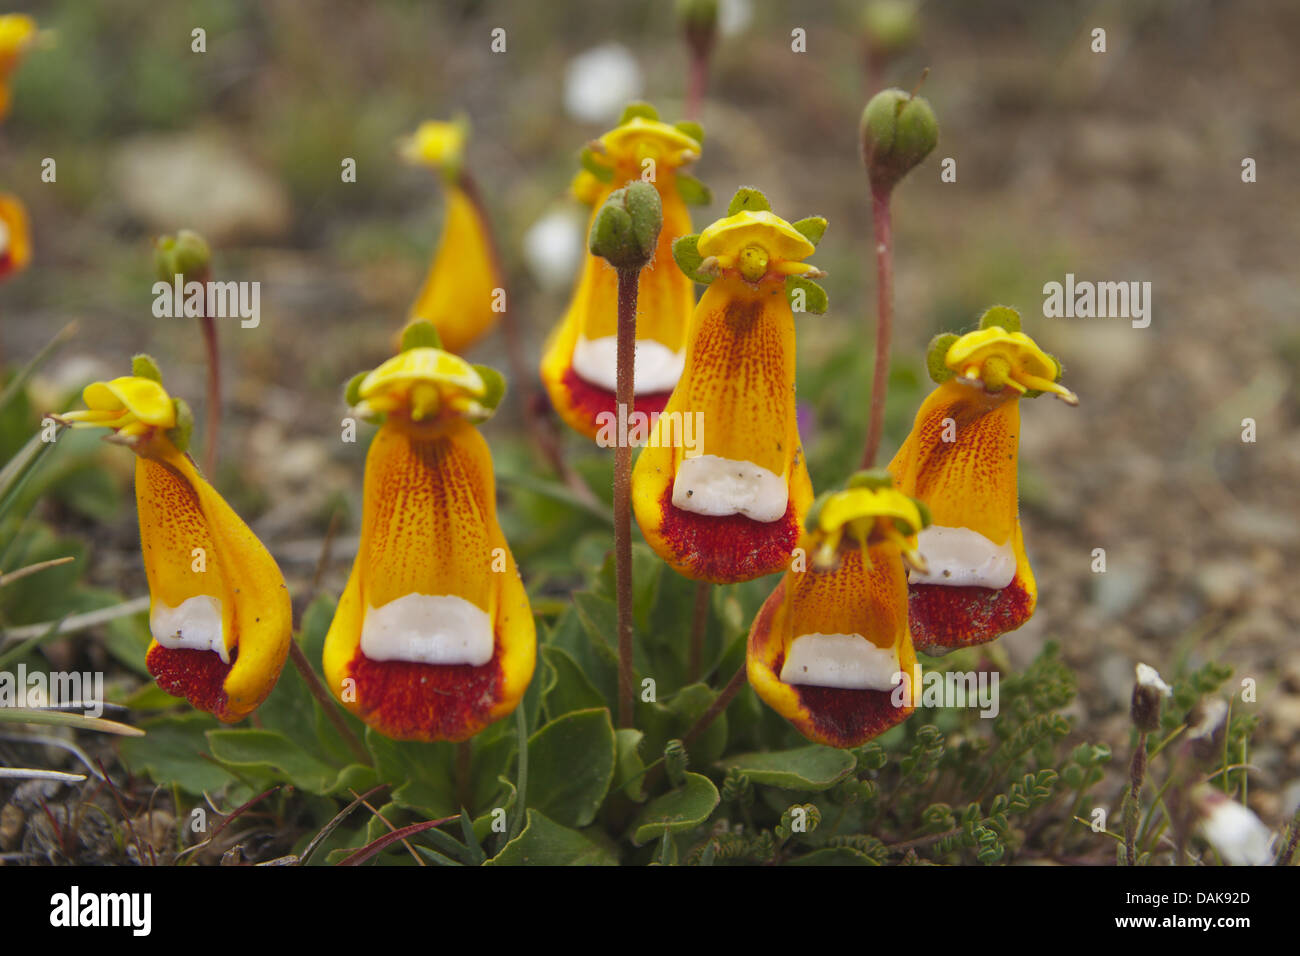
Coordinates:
(209, 326)
(882, 227)
(699, 626)
(696, 84)
(628, 282)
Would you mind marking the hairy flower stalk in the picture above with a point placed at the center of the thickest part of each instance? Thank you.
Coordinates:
(898, 131)
(186, 258)
(625, 232)
(219, 609)
(1148, 693)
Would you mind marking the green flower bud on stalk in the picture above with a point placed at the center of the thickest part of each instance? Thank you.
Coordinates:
(185, 254)
(699, 22)
(898, 131)
(626, 229)
(891, 26)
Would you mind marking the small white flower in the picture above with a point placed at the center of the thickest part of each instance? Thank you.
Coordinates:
(1239, 836)
(1213, 712)
(553, 247)
(599, 82)
(1148, 676)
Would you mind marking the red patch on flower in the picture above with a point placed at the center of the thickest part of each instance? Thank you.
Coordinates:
(412, 701)
(946, 618)
(728, 548)
(591, 400)
(198, 676)
(847, 718)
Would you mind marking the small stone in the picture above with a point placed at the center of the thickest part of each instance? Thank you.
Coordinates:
(11, 827)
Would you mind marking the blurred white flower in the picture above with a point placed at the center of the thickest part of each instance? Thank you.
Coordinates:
(1213, 710)
(1148, 676)
(734, 16)
(599, 82)
(1239, 836)
(553, 247)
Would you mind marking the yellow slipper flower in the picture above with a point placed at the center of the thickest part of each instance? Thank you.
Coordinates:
(433, 638)
(17, 34)
(960, 459)
(578, 363)
(219, 609)
(729, 505)
(460, 289)
(15, 239)
(827, 648)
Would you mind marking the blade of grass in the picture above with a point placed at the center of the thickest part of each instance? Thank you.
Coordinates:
(31, 715)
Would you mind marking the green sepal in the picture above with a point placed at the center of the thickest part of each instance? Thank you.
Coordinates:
(181, 433)
(496, 386)
(936, 353)
(927, 518)
(873, 478)
(1001, 316)
(592, 164)
(692, 191)
(638, 108)
(749, 199)
(686, 253)
(692, 129)
(814, 296)
(144, 366)
(420, 334)
(813, 228)
(352, 391)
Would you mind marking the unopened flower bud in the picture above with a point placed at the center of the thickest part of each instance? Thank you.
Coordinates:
(699, 21)
(890, 26)
(185, 254)
(1148, 692)
(627, 226)
(1206, 725)
(898, 131)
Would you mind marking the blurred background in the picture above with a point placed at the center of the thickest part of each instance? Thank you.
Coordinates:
(1116, 166)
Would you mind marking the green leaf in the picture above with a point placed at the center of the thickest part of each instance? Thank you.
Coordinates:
(630, 775)
(544, 842)
(571, 765)
(814, 296)
(748, 199)
(813, 228)
(275, 753)
(175, 750)
(692, 191)
(814, 768)
(572, 690)
(834, 856)
(424, 774)
(673, 717)
(682, 809)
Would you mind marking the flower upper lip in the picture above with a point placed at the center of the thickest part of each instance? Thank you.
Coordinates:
(424, 381)
(1020, 363)
(641, 138)
(129, 404)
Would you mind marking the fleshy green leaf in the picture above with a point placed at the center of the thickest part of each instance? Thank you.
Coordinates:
(572, 690)
(175, 750)
(682, 809)
(272, 752)
(544, 842)
(814, 768)
(571, 765)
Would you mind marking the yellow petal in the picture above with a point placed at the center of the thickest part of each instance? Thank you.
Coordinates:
(739, 381)
(641, 138)
(460, 289)
(146, 400)
(429, 527)
(195, 545)
(730, 236)
(855, 597)
(15, 235)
